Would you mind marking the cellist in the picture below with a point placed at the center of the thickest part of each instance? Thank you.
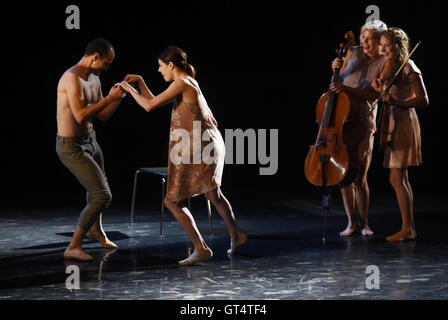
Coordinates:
(404, 148)
(359, 68)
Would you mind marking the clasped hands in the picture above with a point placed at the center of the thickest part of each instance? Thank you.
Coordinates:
(120, 89)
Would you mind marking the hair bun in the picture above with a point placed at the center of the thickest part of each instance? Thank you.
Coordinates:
(179, 58)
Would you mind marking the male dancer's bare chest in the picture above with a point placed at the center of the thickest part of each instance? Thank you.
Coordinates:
(90, 91)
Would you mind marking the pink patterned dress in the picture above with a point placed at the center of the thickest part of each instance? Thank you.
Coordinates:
(196, 150)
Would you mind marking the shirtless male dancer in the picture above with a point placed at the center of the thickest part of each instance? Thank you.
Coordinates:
(79, 101)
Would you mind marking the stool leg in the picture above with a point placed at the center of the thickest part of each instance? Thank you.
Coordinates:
(163, 206)
(134, 191)
(209, 208)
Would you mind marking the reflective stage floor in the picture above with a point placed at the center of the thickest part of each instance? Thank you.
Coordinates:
(283, 259)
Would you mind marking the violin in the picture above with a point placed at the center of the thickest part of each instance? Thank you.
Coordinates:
(385, 129)
(327, 163)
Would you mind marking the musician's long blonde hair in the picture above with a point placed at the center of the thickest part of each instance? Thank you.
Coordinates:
(400, 41)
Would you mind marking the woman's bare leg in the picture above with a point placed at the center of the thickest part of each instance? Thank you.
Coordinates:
(363, 197)
(225, 210)
(411, 195)
(186, 220)
(348, 198)
(404, 196)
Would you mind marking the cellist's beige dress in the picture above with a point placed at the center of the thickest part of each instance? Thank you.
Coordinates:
(361, 126)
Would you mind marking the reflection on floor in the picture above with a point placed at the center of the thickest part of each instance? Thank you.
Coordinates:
(283, 259)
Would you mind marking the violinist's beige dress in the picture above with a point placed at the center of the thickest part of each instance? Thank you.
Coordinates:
(361, 126)
(196, 150)
(405, 150)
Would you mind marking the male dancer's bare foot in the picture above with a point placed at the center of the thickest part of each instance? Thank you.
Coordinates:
(198, 255)
(402, 235)
(101, 238)
(366, 231)
(348, 231)
(236, 243)
(77, 253)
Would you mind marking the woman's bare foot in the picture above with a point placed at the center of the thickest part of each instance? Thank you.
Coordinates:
(101, 238)
(198, 255)
(402, 236)
(104, 255)
(366, 231)
(348, 231)
(235, 244)
(77, 253)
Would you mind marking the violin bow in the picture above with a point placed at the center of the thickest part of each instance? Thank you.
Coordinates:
(402, 66)
(375, 103)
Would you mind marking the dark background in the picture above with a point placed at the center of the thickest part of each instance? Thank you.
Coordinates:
(260, 65)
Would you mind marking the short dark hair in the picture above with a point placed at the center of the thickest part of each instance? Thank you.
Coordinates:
(100, 46)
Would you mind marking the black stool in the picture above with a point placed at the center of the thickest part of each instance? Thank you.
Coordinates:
(163, 173)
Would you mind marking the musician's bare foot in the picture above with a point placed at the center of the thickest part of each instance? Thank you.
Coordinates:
(77, 253)
(101, 238)
(366, 231)
(348, 231)
(402, 235)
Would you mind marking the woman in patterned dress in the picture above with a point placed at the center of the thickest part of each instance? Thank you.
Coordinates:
(407, 93)
(196, 150)
(360, 67)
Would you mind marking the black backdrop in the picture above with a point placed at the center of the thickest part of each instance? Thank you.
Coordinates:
(260, 66)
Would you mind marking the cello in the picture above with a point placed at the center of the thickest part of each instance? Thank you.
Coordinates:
(327, 163)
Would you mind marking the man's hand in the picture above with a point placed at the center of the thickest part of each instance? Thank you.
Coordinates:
(116, 92)
(117, 85)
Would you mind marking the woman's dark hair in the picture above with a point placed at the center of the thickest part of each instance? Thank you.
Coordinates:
(100, 46)
(179, 58)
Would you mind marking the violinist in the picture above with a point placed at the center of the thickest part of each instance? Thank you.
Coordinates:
(359, 68)
(404, 148)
